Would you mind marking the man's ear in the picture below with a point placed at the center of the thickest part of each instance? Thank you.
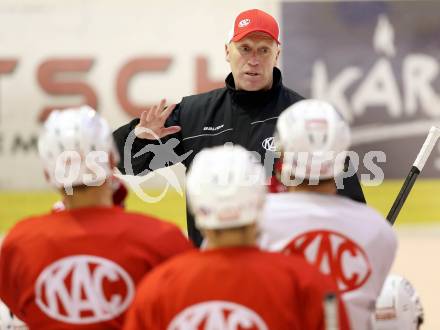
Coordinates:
(227, 53)
(278, 54)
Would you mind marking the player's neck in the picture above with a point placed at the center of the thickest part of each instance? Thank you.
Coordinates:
(228, 244)
(325, 187)
(89, 197)
(239, 237)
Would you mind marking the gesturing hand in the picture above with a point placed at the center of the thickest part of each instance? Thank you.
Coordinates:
(152, 121)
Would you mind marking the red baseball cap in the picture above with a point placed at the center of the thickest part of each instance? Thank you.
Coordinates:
(254, 20)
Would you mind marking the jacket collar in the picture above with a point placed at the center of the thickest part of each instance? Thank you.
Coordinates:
(254, 98)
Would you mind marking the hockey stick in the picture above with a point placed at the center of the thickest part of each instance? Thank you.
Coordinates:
(417, 167)
(331, 311)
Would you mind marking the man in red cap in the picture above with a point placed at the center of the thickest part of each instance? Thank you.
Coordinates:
(252, 50)
(243, 112)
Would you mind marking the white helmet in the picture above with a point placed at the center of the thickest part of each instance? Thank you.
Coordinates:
(8, 321)
(313, 138)
(76, 147)
(398, 306)
(225, 187)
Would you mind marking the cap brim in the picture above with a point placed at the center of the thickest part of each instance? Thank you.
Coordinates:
(240, 36)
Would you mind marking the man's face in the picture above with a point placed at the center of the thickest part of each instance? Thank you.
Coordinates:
(252, 60)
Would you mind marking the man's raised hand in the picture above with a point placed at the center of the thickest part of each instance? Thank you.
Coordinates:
(152, 122)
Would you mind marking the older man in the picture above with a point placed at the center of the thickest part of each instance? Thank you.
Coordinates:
(243, 112)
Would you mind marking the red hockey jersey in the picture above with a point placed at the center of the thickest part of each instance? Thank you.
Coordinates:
(78, 269)
(232, 288)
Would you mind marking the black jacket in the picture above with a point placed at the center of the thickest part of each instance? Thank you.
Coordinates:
(218, 117)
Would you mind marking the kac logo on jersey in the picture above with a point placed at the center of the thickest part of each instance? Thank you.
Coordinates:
(217, 315)
(269, 144)
(84, 289)
(335, 255)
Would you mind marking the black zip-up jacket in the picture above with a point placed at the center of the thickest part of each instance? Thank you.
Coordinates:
(215, 118)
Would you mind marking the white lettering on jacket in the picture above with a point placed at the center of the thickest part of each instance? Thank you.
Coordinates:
(211, 128)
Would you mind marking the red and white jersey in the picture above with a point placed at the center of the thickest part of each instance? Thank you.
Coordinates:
(232, 288)
(78, 269)
(345, 239)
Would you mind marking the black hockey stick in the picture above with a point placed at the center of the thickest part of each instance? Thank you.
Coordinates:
(417, 167)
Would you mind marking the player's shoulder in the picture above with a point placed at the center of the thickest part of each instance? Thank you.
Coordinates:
(160, 226)
(372, 221)
(26, 228)
(137, 216)
(292, 264)
(288, 202)
(200, 101)
(34, 222)
(181, 261)
(280, 259)
(364, 212)
(171, 270)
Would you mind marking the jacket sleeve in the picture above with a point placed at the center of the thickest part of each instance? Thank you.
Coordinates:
(165, 242)
(136, 154)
